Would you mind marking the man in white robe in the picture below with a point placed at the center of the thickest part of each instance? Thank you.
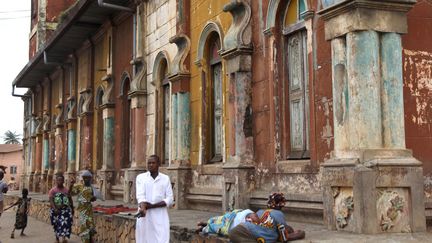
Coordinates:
(154, 195)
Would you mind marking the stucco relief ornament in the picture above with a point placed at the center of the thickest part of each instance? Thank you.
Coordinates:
(391, 207)
(46, 122)
(71, 108)
(58, 120)
(39, 125)
(344, 211)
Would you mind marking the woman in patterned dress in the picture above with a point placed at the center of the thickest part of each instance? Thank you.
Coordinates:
(85, 197)
(61, 211)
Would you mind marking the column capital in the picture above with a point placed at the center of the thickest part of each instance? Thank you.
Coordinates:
(346, 16)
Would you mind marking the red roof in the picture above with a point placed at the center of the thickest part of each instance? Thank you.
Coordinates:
(8, 148)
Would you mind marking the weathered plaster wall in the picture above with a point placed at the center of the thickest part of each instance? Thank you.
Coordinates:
(99, 71)
(270, 84)
(56, 8)
(161, 26)
(83, 82)
(12, 159)
(122, 55)
(83, 78)
(201, 13)
(417, 68)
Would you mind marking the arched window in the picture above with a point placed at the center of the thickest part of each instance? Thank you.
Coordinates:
(297, 91)
(215, 108)
(99, 124)
(163, 116)
(126, 123)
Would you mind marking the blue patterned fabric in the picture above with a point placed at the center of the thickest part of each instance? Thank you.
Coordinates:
(62, 222)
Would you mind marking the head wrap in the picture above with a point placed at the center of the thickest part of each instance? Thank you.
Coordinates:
(86, 173)
(276, 199)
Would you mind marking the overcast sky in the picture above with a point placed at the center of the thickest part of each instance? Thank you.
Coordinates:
(14, 29)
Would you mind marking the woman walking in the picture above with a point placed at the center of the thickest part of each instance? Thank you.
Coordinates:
(61, 211)
(85, 197)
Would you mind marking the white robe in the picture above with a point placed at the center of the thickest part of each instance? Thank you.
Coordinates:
(155, 226)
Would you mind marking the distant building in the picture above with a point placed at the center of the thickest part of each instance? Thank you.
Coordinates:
(11, 157)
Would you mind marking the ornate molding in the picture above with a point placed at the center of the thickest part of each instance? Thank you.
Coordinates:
(71, 106)
(46, 122)
(271, 16)
(39, 124)
(107, 86)
(239, 35)
(156, 65)
(205, 33)
(139, 82)
(86, 96)
(344, 212)
(58, 120)
(183, 43)
(391, 206)
(333, 8)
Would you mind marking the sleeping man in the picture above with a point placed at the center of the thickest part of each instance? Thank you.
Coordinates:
(221, 225)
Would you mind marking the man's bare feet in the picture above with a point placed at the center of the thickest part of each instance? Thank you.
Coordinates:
(296, 235)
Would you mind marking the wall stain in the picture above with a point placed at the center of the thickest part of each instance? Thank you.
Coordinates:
(418, 80)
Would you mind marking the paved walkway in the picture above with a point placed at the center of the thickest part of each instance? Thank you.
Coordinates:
(36, 231)
(40, 232)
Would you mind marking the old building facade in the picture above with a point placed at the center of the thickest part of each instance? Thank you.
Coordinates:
(239, 99)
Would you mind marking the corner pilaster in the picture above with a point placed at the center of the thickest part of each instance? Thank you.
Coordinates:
(372, 183)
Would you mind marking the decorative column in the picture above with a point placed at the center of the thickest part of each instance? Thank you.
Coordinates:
(71, 139)
(51, 157)
(38, 157)
(372, 184)
(138, 96)
(32, 154)
(86, 124)
(106, 174)
(180, 166)
(46, 153)
(238, 59)
(59, 167)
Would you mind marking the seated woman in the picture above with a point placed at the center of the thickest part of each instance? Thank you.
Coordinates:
(272, 226)
(221, 225)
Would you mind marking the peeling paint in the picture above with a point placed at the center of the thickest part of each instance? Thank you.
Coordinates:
(327, 130)
(418, 79)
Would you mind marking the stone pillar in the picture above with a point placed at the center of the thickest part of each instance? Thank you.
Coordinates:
(71, 125)
(59, 166)
(106, 174)
(38, 160)
(239, 166)
(372, 183)
(45, 162)
(138, 165)
(138, 96)
(46, 154)
(71, 151)
(180, 166)
(32, 156)
(51, 158)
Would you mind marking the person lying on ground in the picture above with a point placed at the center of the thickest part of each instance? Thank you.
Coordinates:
(221, 225)
(272, 226)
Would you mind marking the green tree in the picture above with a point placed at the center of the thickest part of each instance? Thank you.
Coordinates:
(11, 137)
